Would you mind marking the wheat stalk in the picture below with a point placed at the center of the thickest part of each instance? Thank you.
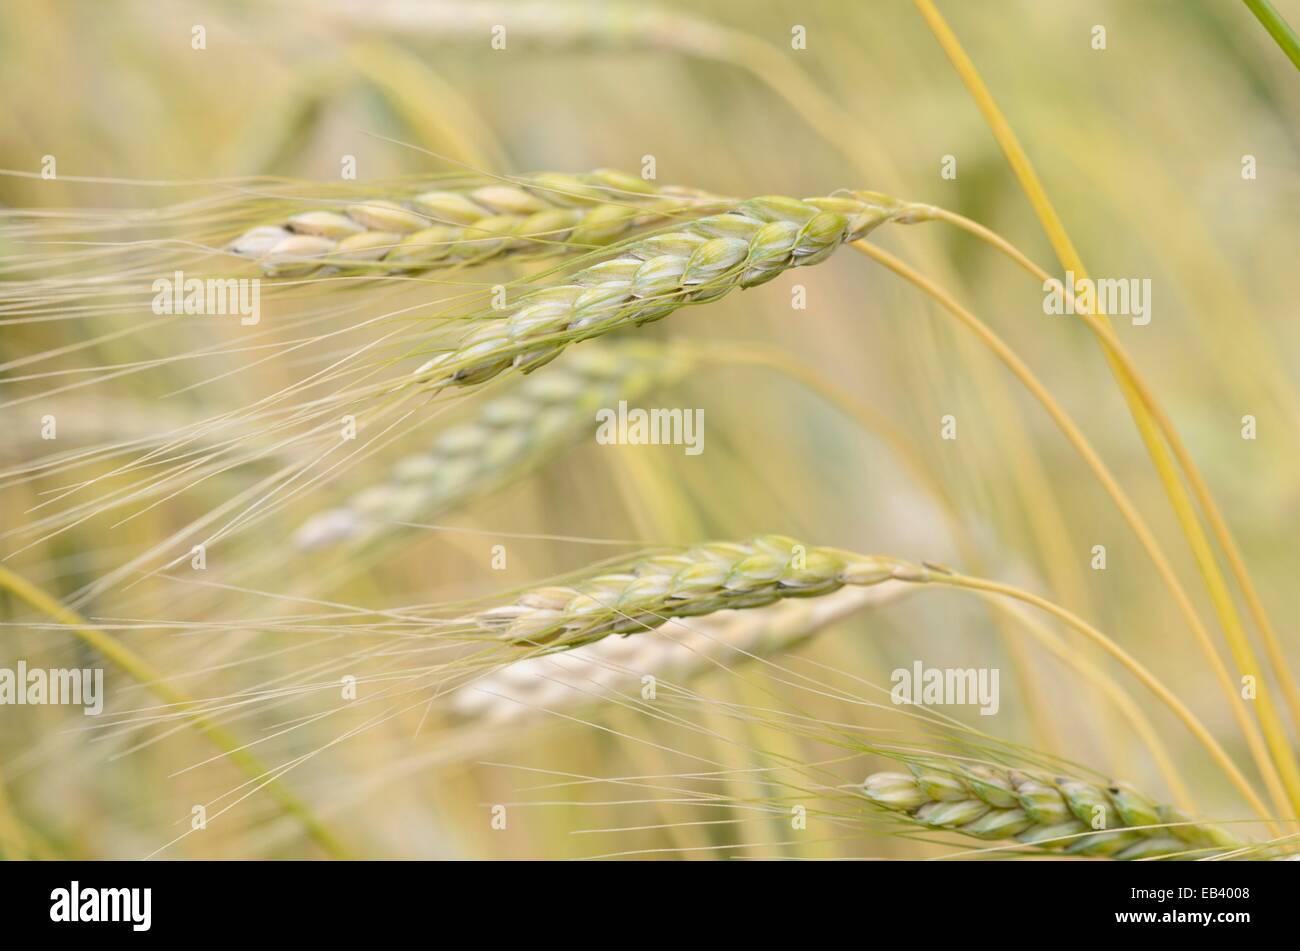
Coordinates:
(1062, 813)
(261, 777)
(1277, 27)
(648, 278)
(540, 214)
(1153, 423)
(506, 436)
(678, 650)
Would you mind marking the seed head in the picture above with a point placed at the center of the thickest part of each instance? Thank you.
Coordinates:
(539, 215)
(1064, 813)
(648, 278)
(507, 436)
(686, 583)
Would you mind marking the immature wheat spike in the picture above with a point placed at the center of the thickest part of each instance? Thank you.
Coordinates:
(541, 214)
(646, 593)
(648, 278)
(679, 650)
(1062, 813)
(506, 436)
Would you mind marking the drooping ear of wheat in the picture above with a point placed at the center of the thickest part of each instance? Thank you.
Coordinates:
(505, 437)
(646, 279)
(646, 592)
(686, 583)
(679, 650)
(535, 215)
(1072, 815)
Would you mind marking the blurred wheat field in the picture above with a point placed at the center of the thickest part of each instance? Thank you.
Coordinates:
(326, 676)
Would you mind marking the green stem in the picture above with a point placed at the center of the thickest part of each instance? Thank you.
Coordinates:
(1277, 28)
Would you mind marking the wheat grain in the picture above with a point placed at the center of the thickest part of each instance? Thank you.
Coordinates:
(540, 214)
(506, 437)
(1063, 813)
(648, 278)
(677, 650)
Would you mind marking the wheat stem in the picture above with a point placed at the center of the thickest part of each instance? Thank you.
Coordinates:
(1148, 679)
(153, 680)
(1220, 596)
(1272, 643)
(924, 478)
(1038, 704)
(1122, 501)
(429, 103)
(1118, 695)
(1277, 28)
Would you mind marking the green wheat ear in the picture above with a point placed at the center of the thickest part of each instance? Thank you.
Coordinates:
(504, 438)
(1062, 813)
(693, 582)
(646, 279)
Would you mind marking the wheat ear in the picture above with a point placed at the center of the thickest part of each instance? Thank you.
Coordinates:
(650, 591)
(1062, 813)
(540, 214)
(646, 592)
(507, 436)
(678, 650)
(648, 278)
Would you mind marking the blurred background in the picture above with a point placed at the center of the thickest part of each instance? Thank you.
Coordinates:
(1141, 145)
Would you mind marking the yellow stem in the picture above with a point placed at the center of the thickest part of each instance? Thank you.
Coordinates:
(1120, 697)
(884, 429)
(140, 670)
(1148, 679)
(1272, 644)
(1130, 512)
(1145, 419)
